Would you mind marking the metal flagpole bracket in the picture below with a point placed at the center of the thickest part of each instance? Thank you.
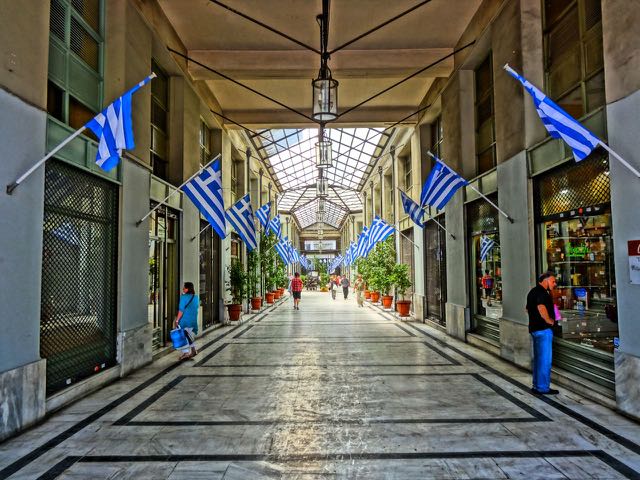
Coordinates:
(177, 189)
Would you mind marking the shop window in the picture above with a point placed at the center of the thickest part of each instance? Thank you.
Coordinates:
(159, 154)
(435, 270)
(77, 43)
(574, 62)
(485, 131)
(576, 243)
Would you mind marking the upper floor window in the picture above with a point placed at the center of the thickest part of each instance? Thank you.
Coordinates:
(406, 169)
(205, 143)
(159, 154)
(485, 118)
(437, 137)
(573, 54)
(75, 82)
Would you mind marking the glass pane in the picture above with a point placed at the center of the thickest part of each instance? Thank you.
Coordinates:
(592, 13)
(593, 52)
(484, 110)
(566, 74)
(80, 115)
(564, 37)
(55, 101)
(160, 86)
(595, 92)
(486, 161)
(572, 103)
(488, 276)
(89, 10)
(84, 45)
(485, 136)
(484, 78)
(57, 19)
(553, 9)
(580, 252)
(158, 116)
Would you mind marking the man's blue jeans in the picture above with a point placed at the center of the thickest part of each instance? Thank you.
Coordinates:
(541, 365)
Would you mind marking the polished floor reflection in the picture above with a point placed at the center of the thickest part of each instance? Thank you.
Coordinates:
(329, 391)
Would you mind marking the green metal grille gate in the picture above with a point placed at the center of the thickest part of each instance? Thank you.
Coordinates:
(79, 275)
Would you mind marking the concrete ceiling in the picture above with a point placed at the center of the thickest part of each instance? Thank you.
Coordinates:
(281, 69)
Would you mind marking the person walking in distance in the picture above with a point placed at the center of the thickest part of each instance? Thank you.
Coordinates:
(541, 321)
(358, 287)
(345, 286)
(296, 290)
(333, 285)
(187, 319)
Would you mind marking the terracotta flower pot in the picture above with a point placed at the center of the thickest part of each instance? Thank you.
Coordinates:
(277, 294)
(256, 303)
(403, 307)
(367, 294)
(375, 297)
(270, 297)
(235, 310)
(387, 301)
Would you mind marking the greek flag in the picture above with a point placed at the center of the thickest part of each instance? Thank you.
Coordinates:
(441, 185)
(349, 255)
(275, 226)
(380, 230)
(114, 128)
(263, 214)
(294, 255)
(283, 250)
(486, 245)
(205, 191)
(559, 123)
(240, 216)
(363, 242)
(412, 209)
(335, 263)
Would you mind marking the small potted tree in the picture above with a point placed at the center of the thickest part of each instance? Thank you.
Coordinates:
(253, 279)
(402, 283)
(364, 269)
(237, 288)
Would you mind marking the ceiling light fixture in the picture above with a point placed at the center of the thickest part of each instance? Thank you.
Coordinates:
(322, 187)
(324, 88)
(324, 152)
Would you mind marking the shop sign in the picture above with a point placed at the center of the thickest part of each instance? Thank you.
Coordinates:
(634, 261)
(578, 251)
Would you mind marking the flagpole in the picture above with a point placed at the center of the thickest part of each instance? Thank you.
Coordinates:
(176, 190)
(429, 217)
(479, 193)
(200, 232)
(396, 227)
(14, 185)
(620, 159)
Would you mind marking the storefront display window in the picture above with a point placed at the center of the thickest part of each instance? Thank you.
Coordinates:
(435, 271)
(579, 250)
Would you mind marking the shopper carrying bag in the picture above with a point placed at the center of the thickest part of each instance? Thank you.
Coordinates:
(187, 319)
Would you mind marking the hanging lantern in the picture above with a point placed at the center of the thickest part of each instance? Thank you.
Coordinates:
(321, 205)
(322, 187)
(325, 96)
(320, 217)
(324, 154)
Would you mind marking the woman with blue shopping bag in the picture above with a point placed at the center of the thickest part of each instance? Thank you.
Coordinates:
(187, 319)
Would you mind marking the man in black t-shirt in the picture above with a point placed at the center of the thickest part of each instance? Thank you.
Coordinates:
(541, 320)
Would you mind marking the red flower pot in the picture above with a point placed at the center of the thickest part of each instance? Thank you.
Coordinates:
(375, 297)
(403, 307)
(367, 294)
(387, 301)
(270, 297)
(256, 303)
(277, 294)
(235, 310)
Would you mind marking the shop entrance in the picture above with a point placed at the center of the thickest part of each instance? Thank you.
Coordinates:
(435, 271)
(209, 276)
(163, 273)
(575, 241)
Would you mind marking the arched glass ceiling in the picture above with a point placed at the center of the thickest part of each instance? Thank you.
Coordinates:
(290, 157)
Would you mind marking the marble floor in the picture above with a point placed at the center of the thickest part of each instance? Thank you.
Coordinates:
(329, 391)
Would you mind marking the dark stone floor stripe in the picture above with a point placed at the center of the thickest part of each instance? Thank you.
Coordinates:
(621, 468)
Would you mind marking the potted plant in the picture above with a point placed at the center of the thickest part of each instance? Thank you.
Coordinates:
(237, 288)
(402, 283)
(324, 280)
(268, 266)
(364, 269)
(383, 261)
(253, 279)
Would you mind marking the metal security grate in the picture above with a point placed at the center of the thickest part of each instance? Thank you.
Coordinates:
(79, 275)
(481, 216)
(572, 186)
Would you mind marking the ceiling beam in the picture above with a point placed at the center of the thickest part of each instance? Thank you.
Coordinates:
(256, 64)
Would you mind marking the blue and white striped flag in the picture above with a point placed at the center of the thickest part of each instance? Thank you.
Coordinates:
(263, 214)
(283, 250)
(114, 128)
(412, 209)
(380, 230)
(363, 242)
(349, 256)
(486, 245)
(276, 227)
(205, 191)
(240, 216)
(559, 123)
(336, 263)
(441, 185)
(294, 254)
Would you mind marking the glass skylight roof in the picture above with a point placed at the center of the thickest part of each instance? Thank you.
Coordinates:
(290, 156)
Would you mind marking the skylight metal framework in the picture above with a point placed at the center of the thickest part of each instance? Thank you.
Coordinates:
(289, 154)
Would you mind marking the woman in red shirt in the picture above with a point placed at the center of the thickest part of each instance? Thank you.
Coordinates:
(296, 290)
